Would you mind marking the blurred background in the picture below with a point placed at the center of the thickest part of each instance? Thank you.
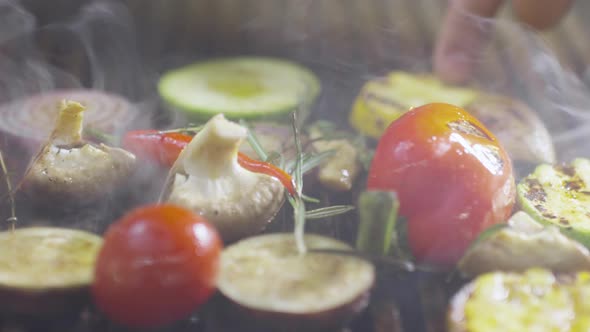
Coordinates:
(123, 46)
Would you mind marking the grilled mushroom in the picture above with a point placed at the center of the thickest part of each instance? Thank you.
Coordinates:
(208, 179)
(69, 171)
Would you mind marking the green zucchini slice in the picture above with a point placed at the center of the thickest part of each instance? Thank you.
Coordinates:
(240, 88)
(560, 196)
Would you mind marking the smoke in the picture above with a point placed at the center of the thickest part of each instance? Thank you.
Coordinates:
(106, 45)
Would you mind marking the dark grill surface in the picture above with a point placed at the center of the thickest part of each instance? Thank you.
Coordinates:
(123, 46)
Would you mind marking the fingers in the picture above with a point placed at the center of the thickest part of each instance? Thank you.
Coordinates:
(540, 14)
(462, 37)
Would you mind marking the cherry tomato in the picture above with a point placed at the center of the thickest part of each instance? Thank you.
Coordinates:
(452, 176)
(157, 265)
(164, 149)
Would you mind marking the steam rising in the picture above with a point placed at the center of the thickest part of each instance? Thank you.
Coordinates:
(108, 46)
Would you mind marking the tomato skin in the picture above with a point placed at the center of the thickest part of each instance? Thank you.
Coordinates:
(164, 149)
(157, 265)
(451, 175)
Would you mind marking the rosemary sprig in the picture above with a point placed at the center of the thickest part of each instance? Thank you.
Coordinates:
(191, 129)
(309, 161)
(255, 143)
(302, 163)
(308, 199)
(12, 219)
(329, 211)
(297, 202)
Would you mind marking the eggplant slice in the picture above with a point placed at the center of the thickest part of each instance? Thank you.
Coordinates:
(46, 270)
(518, 127)
(266, 278)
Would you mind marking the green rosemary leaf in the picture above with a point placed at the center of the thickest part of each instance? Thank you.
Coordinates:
(254, 142)
(100, 136)
(329, 211)
(309, 199)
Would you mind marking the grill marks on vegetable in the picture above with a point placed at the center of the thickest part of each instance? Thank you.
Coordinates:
(559, 195)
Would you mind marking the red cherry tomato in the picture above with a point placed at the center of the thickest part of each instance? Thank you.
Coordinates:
(157, 265)
(164, 149)
(452, 177)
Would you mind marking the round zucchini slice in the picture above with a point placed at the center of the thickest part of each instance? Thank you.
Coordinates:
(269, 284)
(240, 88)
(46, 271)
(559, 195)
(536, 300)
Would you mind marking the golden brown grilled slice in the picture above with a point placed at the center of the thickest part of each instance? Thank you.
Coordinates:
(536, 300)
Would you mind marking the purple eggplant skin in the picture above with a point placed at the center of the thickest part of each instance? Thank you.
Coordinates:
(43, 303)
(232, 316)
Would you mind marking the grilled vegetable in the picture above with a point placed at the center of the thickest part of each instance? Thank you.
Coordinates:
(27, 119)
(339, 172)
(164, 148)
(518, 128)
(208, 179)
(157, 265)
(69, 171)
(270, 284)
(240, 88)
(524, 244)
(384, 99)
(536, 300)
(46, 271)
(560, 196)
(452, 177)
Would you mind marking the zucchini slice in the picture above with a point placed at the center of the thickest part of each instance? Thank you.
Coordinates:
(240, 88)
(536, 300)
(560, 196)
(46, 270)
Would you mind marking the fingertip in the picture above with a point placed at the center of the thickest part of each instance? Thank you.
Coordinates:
(454, 68)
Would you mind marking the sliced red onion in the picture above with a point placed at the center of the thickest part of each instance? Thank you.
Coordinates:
(33, 118)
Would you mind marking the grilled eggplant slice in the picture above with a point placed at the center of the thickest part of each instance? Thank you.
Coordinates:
(518, 128)
(559, 196)
(524, 244)
(46, 271)
(267, 280)
(536, 300)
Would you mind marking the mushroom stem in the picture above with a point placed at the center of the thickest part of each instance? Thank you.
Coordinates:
(68, 127)
(214, 150)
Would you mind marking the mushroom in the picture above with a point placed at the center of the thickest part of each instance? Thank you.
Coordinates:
(68, 170)
(208, 179)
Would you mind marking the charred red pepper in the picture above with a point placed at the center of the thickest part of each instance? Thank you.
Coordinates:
(164, 148)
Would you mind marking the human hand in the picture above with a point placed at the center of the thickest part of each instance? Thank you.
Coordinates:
(462, 38)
